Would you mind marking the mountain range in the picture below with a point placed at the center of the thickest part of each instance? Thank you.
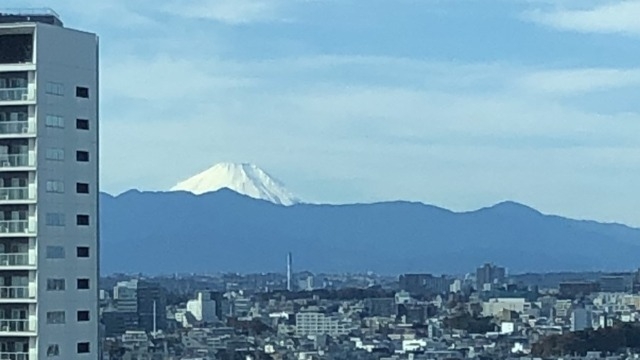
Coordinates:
(222, 230)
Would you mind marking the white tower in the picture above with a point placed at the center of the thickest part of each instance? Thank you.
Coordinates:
(289, 272)
(48, 189)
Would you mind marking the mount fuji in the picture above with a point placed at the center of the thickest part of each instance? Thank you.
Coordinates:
(245, 179)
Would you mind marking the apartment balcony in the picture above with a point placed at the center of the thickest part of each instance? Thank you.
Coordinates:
(15, 326)
(17, 95)
(14, 356)
(12, 195)
(16, 293)
(16, 161)
(17, 128)
(16, 261)
(17, 227)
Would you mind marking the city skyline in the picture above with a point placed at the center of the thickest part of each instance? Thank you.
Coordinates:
(459, 104)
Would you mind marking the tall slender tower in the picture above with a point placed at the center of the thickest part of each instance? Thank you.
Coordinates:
(48, 188)
(289, 271)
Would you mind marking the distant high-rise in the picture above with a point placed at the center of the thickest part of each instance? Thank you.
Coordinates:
(420, 284)
(489, 274)
(581, 319)
(203, 308)
(289, 272)
(125, 296)
(48, 188)
(152, 303)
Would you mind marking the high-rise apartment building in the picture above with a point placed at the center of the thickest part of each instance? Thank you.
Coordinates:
(48, 189)
(489, 274)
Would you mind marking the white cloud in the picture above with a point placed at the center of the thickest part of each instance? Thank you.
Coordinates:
(612, 17)
(166, 78)
(578, 81)
(232, 12)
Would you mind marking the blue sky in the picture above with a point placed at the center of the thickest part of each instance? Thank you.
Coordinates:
(458, 103)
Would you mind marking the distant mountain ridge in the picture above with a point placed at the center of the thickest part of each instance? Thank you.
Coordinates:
(167, 232)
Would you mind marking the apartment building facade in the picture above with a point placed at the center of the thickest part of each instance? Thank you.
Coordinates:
(48, 189)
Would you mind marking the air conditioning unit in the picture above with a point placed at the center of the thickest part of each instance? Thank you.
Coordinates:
(25, 96)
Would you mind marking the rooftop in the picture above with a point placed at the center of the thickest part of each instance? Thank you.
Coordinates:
(40, 15)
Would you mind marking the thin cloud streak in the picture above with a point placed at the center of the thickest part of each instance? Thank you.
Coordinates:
(573, 82)
(232, 12)
(612, 18)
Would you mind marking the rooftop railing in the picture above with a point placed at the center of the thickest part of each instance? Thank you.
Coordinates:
(29, 11)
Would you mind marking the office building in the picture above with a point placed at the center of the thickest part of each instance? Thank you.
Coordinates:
(581, 319)
(203, 308)
(385, 307)
(577, 289)
(423, 284)
(221, 303)
(616, 283)
(152, 305)
(125, 296)
(117, 323)
(48, 188)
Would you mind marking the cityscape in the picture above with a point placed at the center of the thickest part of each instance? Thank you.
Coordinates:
(230, 263)
(485, 314)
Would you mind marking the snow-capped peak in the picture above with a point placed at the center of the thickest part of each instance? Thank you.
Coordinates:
(246, 179)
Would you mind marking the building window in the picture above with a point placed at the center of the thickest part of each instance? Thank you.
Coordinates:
(82, 220)
(55, 317)
(53, 88)
(55, 186)
(54, 121)
(82, 251)
(55, 284)
(82, 188)
(55, 154)
(55, 252)
(83, 315)
(54, 219)
(53, 350)
(82, 156)
(83, 348)
(82, 92)
(82, 124)
(83, 284)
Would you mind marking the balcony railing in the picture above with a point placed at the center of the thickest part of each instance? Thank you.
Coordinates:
(15, 160)
(14, 193)
(14, 292)
(14, 325)
(16, 259)
(16, 127)
(14, 356)
(14, 226)
(14, 94)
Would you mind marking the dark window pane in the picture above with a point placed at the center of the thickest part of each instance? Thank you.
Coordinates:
(83, 348)
(82, 92)
(83, 315)
(82, 156)
(82, 220)
(82, 124)
(82, 188)
(83, 284)
(82, 251)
